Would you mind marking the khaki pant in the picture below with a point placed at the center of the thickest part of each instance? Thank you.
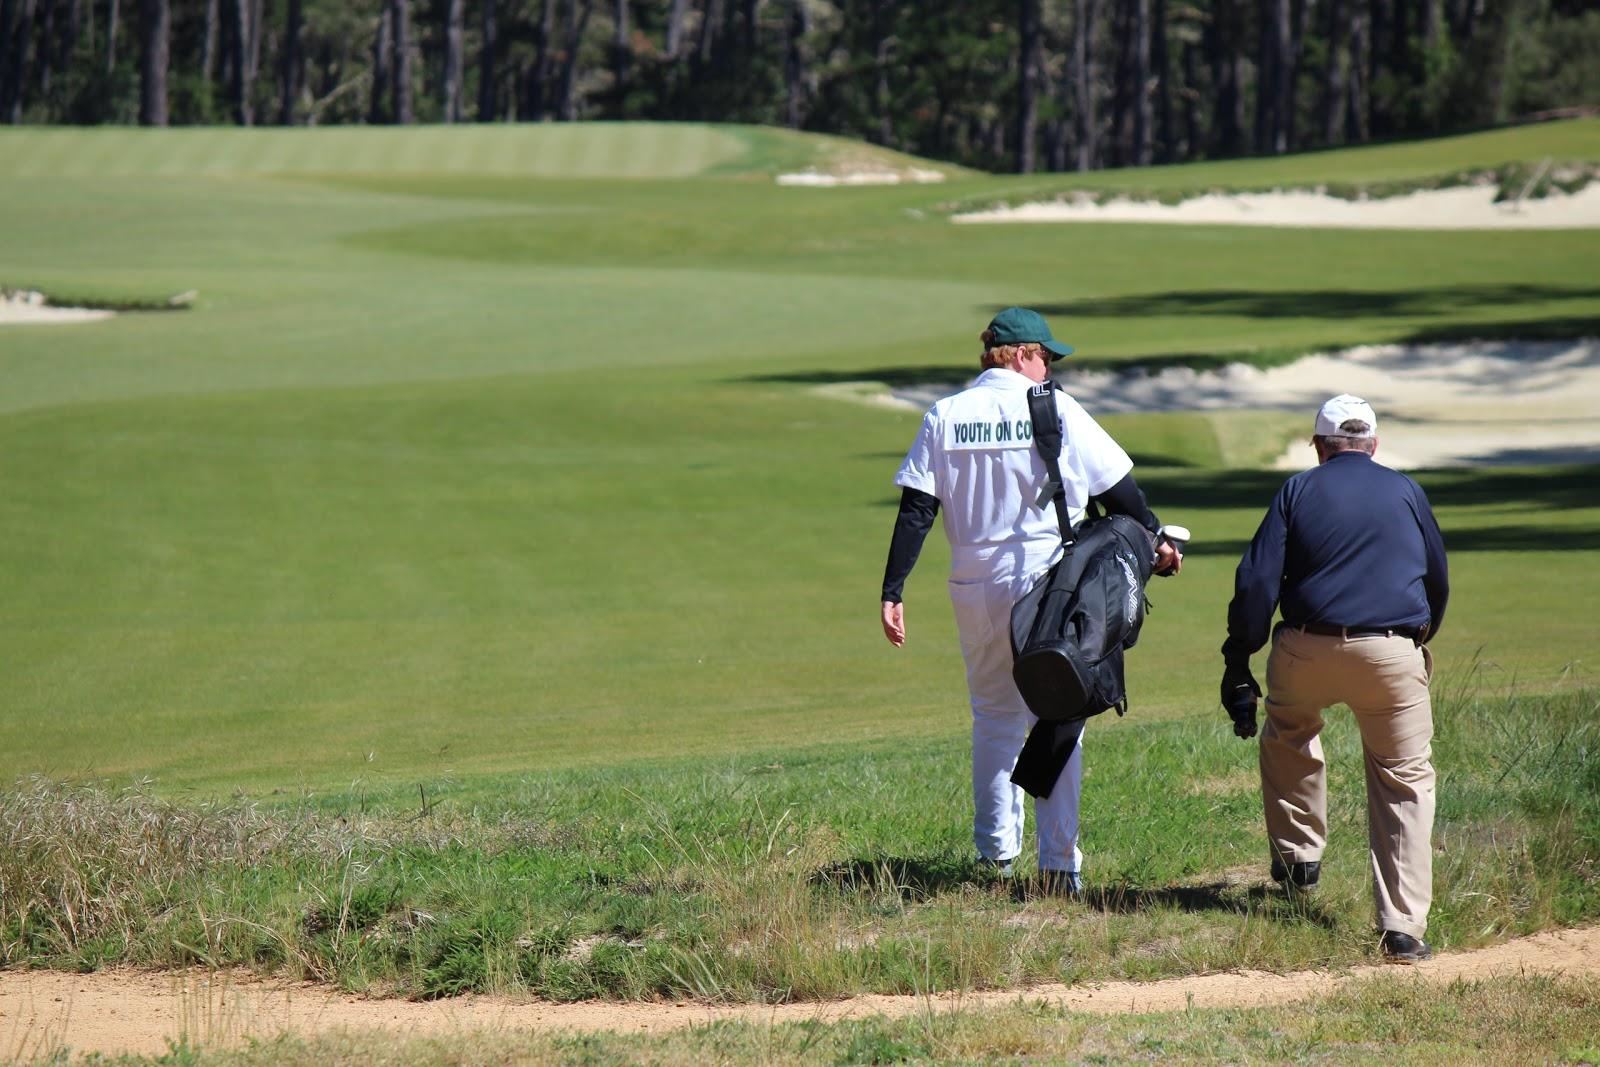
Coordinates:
(1385, 681)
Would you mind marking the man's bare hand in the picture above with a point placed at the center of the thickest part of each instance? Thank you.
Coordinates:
(894, 623)
(1168, 559)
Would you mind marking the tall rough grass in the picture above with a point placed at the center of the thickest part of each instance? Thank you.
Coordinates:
(820, 872)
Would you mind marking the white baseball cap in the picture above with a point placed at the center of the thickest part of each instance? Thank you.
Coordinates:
(1341, 409)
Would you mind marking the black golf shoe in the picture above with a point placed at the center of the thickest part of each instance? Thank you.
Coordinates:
(1403, 948)
(1300, 874)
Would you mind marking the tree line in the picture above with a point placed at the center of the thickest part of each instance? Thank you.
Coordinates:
(999, 84)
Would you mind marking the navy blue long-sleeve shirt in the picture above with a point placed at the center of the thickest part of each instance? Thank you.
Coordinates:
(1347, 543)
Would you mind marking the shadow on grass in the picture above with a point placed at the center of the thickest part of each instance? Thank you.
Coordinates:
(1313, 303)
(917, 880)
(1554, 488)
(1123, 899)
(956, 373)
(911, 879)
(1482, 539)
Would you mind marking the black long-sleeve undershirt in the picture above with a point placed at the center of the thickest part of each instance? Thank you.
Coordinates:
(919, 509)
(911, 526)
(1126, 498)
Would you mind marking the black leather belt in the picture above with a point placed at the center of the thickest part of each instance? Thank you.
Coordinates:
(1409, 633)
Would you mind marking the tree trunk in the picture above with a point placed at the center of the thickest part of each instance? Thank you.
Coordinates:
(1028, 33)
(708, 31)
(1163, 75)
(621, 53)
(1283, 77)
(292, 64)
(382, 66)
(1358, 108)
(1333, 79)
(6, 11)
(1087, 155)
(13, 86)
(751, 21)
(1378, 23)
(489, 65)
(67, 39)
(455, 14)
(155, 43)
(674, 45)
(1191, 102)
(1400, 38)
(539, 77)
(257, 25)
(1296, 56)
(239, 61)
(883, 98)
(577, 22)
(111, 33)
(1122, 95)
(1227, 73)
(400, 16)
(1140, 84)
(44, 56)
(208, 45)
(795, 63)
(1266, 74)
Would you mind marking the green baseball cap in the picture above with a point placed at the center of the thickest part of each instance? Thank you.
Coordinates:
(1020, 326)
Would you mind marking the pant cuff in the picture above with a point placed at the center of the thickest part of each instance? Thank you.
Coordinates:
(1298, 855)
(1402, 925)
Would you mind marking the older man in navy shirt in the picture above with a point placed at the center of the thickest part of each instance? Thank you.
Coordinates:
(1351, 553)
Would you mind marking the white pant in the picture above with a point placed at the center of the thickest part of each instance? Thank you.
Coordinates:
(983, 591)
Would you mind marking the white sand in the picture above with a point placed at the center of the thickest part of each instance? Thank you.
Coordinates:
(1439, 405)
(912, 176)
(1462, 208)
(29, 309)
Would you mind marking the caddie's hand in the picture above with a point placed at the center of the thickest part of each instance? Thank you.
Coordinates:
(894, 623)
(1168, 559)
(1239, 695)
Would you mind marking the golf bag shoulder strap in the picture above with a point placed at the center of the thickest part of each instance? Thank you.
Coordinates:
(1046, 420)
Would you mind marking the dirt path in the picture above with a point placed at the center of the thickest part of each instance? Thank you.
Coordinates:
(114, 1012)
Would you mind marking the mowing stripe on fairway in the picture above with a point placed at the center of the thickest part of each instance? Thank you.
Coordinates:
(572, 150)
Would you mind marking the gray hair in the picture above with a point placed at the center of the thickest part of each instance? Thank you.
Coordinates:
(1355, 436)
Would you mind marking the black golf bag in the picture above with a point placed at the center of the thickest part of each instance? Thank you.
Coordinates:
(1069, 631)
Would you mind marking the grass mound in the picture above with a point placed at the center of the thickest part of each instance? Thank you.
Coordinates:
(1506, 158)
(543, 150)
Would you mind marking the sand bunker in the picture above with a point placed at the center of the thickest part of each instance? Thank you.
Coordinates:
(1462, 208)
(28, 308)
(1439, 405)
(912, 176)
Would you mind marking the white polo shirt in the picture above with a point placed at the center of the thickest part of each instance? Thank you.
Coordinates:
(975, 453)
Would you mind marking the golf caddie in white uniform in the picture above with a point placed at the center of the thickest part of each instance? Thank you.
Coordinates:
(974, 460)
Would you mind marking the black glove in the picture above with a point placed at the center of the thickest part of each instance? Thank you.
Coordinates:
(1239, 695)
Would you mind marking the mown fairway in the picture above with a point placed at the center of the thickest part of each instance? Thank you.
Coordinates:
(495, 527)
(489, 473)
